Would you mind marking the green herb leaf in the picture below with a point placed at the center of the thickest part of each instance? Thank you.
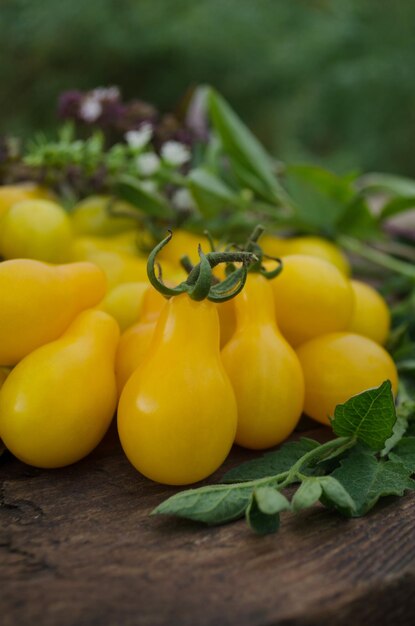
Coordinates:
(313, 208)
(262, 513)
(336, 495)
(366, 479)
(210, 193)
(358, 220)
(270, 500)
(242, 147)
(404, 452)
(368, 417)
(321, 197)
(271, 463)
(405, 412)
(397, 205)
(128, 188)
(216, 504)
(399, 429)
(307, 494)
(388, 183)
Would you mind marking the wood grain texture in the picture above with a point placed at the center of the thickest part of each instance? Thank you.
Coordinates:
(77, 548)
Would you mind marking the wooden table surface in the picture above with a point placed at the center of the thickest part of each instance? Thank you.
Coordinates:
(77, 548)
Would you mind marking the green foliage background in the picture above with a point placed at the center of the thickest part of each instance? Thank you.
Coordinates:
(329, 81)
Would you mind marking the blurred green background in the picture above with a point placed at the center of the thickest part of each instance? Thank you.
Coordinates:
(327, 81)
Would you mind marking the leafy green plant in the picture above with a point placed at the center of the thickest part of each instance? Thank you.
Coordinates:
(348, 473)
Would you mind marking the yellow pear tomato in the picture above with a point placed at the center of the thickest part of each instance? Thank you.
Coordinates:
(371, 316)
(39, 301)
(10, 194)
(92, 216)
(340, 365)
(321, 249)
(57, 403)
(36, 229)
(177, 412)
(123, 302)
(135, 341)
(312, 297)
(263, 369)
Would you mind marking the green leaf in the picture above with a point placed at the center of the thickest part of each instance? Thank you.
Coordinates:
(270, 500)
(260, 522)
(405, 411)
(358, 220)
(128, 188)
(388, 183)
(324, 488)
(308, 493)
(366, 479)
(368, 417)
(404, 452)
(336, 495)
(339, 188)
(242, 147)
(216, 504)
(313, 207)
(396, 206)
(210, 193)
(399, 429)
(271, 463)
(262, 513)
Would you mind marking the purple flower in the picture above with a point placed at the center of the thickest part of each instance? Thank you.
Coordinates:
(69, 103)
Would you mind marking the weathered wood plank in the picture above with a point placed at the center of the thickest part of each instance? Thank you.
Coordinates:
(77, 548)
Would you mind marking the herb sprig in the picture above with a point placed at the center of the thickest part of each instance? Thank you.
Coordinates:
(367, 460)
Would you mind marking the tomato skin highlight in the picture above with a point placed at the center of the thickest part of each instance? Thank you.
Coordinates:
(340, 365)
(263, 369)
(177, 412)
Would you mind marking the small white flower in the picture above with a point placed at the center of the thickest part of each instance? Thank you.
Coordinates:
(182, 199)
(175, 153)
(90, 109)
(139, 138)
(148, 163)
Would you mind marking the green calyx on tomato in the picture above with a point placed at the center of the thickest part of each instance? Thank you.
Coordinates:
(252, 245)
(201, 283)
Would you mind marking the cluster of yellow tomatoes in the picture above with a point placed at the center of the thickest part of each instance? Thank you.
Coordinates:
(83, 334)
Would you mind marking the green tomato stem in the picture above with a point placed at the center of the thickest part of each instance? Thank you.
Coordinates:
(330, 446)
